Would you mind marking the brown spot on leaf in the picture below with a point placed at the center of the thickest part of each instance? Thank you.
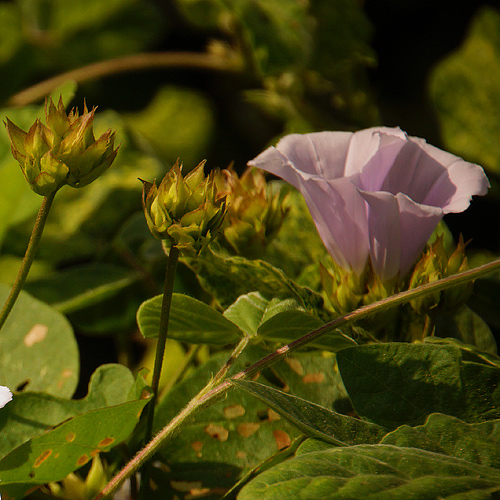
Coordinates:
(64, 375)
(313, 378)
(217, 432)
(246, 430)
(197, 446)
(106, 442)
(295, 365)
(35, 335)
(82, 460)
(70, 436)
(282, 439)
(39, 461)
(241, 455)
(95, 452)
(234, 411)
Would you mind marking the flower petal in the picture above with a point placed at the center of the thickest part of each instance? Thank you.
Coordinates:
(398, 230)
(339, 213)
(318, 154)
(5, 396)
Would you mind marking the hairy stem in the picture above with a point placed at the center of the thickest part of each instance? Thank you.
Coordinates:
(29, 256)
(206, 397)
(168, 289)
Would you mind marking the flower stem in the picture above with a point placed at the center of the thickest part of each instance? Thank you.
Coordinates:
(29, 256)
(204, 398)
(168, 289)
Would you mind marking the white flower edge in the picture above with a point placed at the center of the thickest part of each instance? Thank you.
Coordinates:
(5, 396)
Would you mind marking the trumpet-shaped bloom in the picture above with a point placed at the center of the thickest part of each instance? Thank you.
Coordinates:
(5, 396)
(375, 194)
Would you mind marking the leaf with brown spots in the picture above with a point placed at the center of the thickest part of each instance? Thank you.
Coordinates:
(53, 455)
(38, 350)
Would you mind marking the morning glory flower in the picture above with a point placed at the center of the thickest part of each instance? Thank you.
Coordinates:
(5, 396)
(375, 195)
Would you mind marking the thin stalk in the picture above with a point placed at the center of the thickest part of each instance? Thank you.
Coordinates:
(168, 289)
(205, 398)
(428, 326)
(29, 256)
(229, 61)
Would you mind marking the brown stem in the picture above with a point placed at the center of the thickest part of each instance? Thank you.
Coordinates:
(229, 61)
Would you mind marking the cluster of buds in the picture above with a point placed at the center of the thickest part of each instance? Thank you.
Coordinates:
(184, 211)
(437, 263)
(346, 291)
(254, 214)
(64, 151)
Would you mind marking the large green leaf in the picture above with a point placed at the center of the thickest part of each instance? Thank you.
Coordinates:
(374, 472)
(464, 90)
(32, 413)
(315, 420)
(53, 455)
(37, 348)
(81, 286)
(478, 443)
(190, 320)
(394, 384)
(221, 442)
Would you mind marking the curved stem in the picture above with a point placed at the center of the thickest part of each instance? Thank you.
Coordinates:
(229, 61)
(29, 256)
(205, 398)
(168, 289)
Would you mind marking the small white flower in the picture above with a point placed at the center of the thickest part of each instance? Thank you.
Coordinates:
(5, 396)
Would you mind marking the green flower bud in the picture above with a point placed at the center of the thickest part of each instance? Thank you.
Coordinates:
(254, 213)
(184, 211)
(435, 264)
(64, 151)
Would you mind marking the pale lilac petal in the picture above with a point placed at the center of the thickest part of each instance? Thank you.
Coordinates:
(398, 230)
(468, 180)
(339, 213)
(372, 153)
(5, 396)
(318, 154)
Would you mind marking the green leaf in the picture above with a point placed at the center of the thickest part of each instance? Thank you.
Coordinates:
(53, 455)
(178, 123)
(290, 325)
(228, 277)
(30, 414)
(37, 348)
(468, 103)
(223, 441)
(190, 321)
(478, 443)
(81, 286)
(466, 326)
(315, 420)
(374, 472)
(394, 384)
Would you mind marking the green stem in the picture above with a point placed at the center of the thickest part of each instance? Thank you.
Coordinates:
(29, 256)
(428, 330)
(160, 351)
(204, 398)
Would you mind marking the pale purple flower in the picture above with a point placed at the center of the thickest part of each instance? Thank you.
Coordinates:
(5, 396)
(374, 194)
